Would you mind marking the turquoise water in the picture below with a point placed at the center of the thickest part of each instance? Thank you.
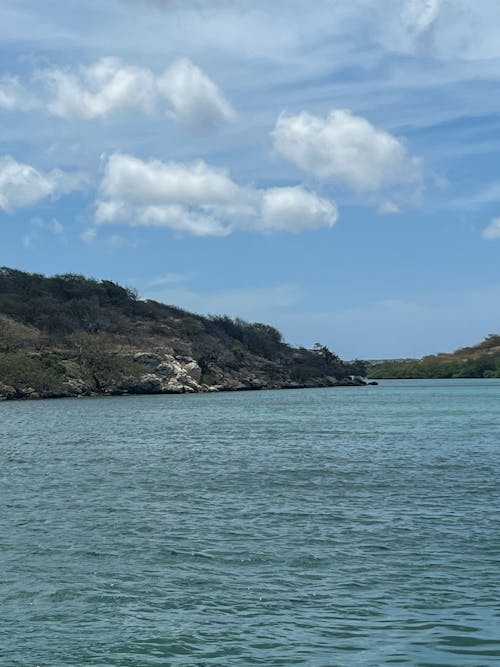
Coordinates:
(351, 526)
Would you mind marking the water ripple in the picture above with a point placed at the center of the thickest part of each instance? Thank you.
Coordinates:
(317, 528)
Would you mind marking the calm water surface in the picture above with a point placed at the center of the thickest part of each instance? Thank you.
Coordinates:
(354, 526)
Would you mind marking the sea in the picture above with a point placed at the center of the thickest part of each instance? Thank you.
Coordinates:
(352, 526)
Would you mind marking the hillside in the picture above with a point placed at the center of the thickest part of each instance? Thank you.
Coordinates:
(68, 335)
(478, 361)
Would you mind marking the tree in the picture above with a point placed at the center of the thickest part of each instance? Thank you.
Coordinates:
(326, 354)
(100, 362)
(358, 367)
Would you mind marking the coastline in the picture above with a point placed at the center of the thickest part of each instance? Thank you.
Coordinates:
(9, 394)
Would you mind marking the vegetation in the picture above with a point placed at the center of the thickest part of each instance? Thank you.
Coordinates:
(43, 373)
(98, 361)
(67, 333)
(479, 361)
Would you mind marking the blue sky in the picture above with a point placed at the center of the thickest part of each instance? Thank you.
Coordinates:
(330, 168)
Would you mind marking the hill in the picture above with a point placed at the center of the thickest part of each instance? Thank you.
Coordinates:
(478, 361)
(68, 335)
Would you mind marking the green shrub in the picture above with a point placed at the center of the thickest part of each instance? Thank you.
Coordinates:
(16, 336)
(44, 373)
(208, 379)
(99, 361)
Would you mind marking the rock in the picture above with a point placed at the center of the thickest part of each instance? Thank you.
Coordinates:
(256, 383)
(167, 369)
(176, 372)
(351, 382)
(173, 386)
(168, 374)
(7, 392)
(74, 387)
(193, 370)
(236, 386)
(149, 383)
(181, 348)
(148, 359)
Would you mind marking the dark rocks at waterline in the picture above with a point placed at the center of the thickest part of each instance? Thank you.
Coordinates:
(150, 384)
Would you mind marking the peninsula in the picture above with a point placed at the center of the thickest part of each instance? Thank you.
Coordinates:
(68, 335)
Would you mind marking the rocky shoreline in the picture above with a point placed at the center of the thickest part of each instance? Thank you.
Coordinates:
(167, 374)
(68, 336)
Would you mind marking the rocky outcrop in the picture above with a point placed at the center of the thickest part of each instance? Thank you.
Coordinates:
(165, 374)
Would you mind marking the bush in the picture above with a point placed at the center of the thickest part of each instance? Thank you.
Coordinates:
(15, 336)
(44, 373)
(208, 379)
(100, 364)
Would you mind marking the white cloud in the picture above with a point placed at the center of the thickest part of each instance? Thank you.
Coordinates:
(164, 194)
(166, 182)
(97, 90)
(295, 209)
(14, 96)
(345, 149)
(202, 200)
(176, 217)
(195, 99)
(21, 185)
(108, 86)
(492, 231)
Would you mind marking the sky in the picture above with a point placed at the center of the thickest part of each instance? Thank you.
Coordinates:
(330, 168)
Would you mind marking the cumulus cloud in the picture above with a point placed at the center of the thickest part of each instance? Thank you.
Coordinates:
(21, 185)
(166, 182)
(195, 98)
(492, 231)
(345, 149)
(108, 86)
(295, 209)
(202, 200)
(97, 90)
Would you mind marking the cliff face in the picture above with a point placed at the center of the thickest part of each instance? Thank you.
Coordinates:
(70, 336)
